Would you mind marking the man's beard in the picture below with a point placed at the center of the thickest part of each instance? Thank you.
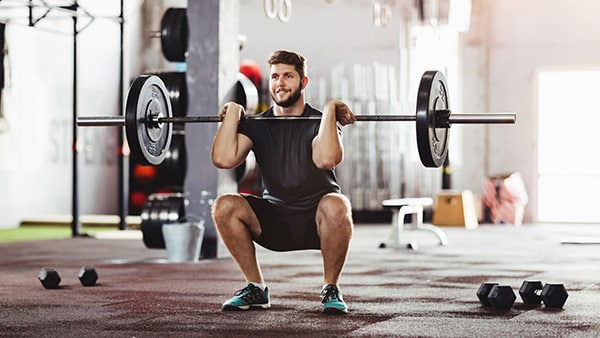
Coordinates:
(294, 97)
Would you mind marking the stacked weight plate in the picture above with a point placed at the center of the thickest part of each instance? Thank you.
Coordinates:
(160, 209)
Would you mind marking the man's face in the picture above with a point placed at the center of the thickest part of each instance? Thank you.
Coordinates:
(285, 83)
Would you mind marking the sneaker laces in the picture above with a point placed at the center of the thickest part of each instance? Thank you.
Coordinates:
(251, 294)
(328, 293)
(242, 292)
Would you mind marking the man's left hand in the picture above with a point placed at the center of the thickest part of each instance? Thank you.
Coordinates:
(343, 113)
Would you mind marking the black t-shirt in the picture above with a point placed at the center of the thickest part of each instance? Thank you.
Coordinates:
(283, 151)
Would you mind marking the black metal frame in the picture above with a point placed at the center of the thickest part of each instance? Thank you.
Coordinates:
(74, 11)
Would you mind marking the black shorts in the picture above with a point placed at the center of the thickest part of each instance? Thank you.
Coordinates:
(284, 231)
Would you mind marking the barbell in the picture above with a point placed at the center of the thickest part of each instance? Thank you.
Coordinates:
(149, 117)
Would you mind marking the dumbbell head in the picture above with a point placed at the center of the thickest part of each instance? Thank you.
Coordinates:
(501, 297)
(482, 293)
(49, 278)
(554, 295)
(529, 292)
(88, 276)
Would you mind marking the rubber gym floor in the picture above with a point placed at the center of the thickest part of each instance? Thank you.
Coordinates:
(429, 292)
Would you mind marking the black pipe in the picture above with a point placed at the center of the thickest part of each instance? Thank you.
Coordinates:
(123, 190)
(75, 223)
(2, 51)
(30, 11)
(2, 45)
(421, 10)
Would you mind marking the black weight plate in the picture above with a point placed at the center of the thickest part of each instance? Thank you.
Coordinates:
(151, 226)
(174, 32)
(173, 169)
(432, 141)
(176, 209)
(176, 84)
(149, 142)
(158, 210)
(246, 94)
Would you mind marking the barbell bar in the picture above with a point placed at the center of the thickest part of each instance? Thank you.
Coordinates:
(119, 121)
(149, 117)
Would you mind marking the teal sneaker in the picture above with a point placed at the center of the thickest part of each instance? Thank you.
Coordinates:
(332, 300)
(250, 296)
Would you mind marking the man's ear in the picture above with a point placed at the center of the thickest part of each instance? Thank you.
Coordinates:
(304, 82)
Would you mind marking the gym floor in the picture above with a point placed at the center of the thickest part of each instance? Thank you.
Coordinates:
(429, 292)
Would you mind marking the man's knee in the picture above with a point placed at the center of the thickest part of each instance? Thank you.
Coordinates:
(225, 207)
(335, 209)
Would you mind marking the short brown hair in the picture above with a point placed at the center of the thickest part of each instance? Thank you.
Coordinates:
(289, 58)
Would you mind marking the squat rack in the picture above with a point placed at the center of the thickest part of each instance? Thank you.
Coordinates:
(74, 11)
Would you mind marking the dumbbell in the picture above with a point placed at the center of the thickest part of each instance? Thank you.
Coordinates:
(49, 278)
(553, 295)
(500, 297)
(88, 276)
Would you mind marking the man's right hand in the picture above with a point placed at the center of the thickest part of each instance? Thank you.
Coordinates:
(229, 148)
(232, 108)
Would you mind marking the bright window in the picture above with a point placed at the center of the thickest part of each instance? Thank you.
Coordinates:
(568, 161)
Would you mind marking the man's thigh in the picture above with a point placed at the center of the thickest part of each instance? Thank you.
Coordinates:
(283, 231)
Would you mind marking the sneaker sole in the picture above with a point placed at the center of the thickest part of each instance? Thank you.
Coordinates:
(245, 307)
(335, 311)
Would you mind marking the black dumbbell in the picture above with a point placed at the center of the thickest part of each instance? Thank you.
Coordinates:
(500, 297)
(553, 295)
(88, 276)
(49, 278)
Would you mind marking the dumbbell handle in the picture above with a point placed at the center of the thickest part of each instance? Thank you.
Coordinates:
(154, 34)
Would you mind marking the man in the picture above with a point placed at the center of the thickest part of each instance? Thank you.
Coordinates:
(301, 207)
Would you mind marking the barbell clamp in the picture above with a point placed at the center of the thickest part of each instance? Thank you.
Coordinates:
(441, 118)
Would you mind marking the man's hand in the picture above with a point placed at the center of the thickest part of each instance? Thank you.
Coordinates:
(229, 149)
(343, 113)
(232, 108)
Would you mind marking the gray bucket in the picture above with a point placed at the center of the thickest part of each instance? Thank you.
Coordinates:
(183, 241)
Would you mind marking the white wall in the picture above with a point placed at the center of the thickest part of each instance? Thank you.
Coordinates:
(332, 33)
(35, 153)
(327, 33)
(509, 41)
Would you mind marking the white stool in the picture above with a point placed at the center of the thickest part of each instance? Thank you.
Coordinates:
(407, 206)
